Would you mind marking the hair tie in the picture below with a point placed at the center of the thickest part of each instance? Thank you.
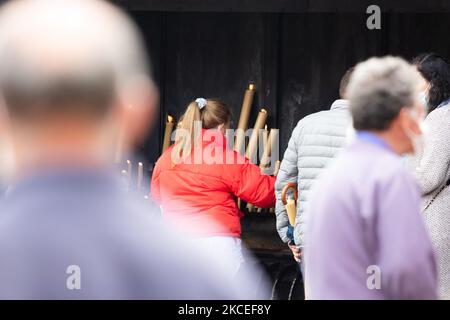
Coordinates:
(201, 103)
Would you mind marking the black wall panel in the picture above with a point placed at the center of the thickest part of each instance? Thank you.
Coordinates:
(152, 27)
(317, 49)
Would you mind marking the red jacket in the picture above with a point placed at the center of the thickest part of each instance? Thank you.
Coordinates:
(200, 196)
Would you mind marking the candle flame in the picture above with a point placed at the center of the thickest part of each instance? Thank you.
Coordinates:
(128, 162)
(263, 110)
(169, 119)
(265, 127)
(140, 164)
(251, 86)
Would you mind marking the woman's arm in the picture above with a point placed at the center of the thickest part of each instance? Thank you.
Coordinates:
(253, 186)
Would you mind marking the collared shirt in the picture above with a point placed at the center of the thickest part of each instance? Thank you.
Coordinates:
(444, 103)
(81, 218)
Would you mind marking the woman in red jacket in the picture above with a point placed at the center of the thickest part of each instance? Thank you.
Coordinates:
(199, 178)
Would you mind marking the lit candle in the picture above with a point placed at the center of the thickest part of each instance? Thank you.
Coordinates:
(267, 147)
(140, 175)
(265, 137)
(167, 133)
(124, 175)
(250, 207)
(253, 142)
(291, 210)
(239, 144)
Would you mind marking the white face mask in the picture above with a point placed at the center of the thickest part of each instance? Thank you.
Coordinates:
(6, 161)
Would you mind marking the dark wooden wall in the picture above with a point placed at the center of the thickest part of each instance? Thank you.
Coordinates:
(296, 59)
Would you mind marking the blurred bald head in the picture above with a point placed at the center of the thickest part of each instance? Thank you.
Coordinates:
(68, 57)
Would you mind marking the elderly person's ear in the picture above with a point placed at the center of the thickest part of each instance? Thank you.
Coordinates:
(137, 111)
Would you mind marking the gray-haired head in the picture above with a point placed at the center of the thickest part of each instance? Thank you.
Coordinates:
(71, 56)
(379, 88)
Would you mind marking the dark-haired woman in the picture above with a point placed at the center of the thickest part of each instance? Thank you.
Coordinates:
(197, 181)
(432, 160)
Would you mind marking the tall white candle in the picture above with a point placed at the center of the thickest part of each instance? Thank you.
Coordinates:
(167, 133)
(253, 142)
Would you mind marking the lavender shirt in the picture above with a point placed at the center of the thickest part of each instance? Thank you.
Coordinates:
(363, 221)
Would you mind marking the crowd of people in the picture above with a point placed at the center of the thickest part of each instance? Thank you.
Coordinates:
(373, 212)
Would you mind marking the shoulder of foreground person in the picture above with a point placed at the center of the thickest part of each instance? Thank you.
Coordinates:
(177, 269)
(439, 113)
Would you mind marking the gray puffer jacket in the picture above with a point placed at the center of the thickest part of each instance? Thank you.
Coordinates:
(315, 141)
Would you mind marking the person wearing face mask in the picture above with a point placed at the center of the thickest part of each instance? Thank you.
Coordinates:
(5, 164)
(6, 159)
(68, 229)
(431, 163)
(364, 235)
